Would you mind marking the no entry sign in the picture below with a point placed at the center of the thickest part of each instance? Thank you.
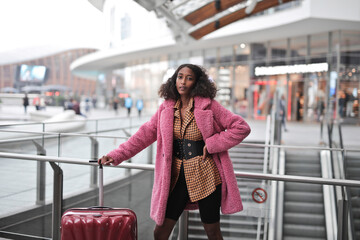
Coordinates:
(259, 195)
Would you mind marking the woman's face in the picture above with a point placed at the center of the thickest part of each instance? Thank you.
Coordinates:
(185, 81)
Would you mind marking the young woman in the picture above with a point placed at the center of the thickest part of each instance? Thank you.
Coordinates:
(192, 169)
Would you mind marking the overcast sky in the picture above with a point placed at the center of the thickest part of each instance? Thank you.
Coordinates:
(30, 27)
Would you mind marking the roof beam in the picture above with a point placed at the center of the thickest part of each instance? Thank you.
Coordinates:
(210, 10)
(233, 17)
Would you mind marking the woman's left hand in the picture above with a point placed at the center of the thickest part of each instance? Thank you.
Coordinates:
(205, 153)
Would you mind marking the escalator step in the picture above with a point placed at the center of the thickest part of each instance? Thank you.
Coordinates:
(302, 187)
(303, 207)
(302, 238)
(303, 196)
(304, 231)
(295, 218)
(248, 161)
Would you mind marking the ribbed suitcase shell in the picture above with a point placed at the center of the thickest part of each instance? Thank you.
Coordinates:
(99, 224)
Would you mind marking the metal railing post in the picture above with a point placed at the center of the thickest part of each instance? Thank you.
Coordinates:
(128, 134)
(57, 201)
(40, 175)
(183, 226)
(94, 156)
(150, 154)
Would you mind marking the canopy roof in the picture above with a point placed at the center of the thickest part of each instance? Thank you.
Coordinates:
(198, 18)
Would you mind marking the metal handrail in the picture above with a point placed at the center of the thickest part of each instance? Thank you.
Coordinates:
(329, 196)
(276, 177)
(343, 194)
(71, 121)
(241, 174)
(243, 144)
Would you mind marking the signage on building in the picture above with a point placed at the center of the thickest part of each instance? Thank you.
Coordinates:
(288, 69)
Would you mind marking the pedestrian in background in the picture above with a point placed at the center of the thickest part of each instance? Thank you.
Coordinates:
(282, 111)
(342, 102)
(87, 105)
(25, 102)
(193, 169)
(36, 103)
(128, 105)
(139, 106)
(116, 105)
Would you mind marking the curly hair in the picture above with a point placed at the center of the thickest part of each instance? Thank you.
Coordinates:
(204, 87)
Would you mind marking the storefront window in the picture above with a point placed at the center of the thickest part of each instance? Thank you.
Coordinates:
(349, 75)
(224, 84)
(296, 97)
(298, 50)
(240, 90)
(210, 57)
(242, 52)
(184, 57)
(173, 63)
(226, 54)
(258, 56)
(197, 58)
(315, 101)
(262, 94)
(278, 50)
(258, 51)
(319, 47)
(213, 73)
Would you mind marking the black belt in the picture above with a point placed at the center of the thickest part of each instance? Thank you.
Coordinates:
(186, 149)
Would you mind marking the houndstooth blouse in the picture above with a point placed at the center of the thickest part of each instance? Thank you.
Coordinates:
(201, 177)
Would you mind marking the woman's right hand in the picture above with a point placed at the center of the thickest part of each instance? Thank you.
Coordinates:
(105, 160)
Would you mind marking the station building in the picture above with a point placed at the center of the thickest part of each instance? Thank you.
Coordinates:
(306, 50)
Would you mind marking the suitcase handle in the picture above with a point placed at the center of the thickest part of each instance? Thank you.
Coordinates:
(100, 207)
(101, 183)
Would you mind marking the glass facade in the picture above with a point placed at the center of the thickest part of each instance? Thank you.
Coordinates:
(58, 73)
(317, 74)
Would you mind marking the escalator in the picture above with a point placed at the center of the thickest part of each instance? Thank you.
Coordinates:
(304, 216)
(237, 226)
(353, 173)
(349, 168)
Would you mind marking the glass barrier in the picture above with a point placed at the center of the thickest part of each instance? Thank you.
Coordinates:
(28, 139)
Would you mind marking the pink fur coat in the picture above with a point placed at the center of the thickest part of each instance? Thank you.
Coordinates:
(221, 130)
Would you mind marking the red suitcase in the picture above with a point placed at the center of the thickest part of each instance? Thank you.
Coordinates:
(99, 223)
